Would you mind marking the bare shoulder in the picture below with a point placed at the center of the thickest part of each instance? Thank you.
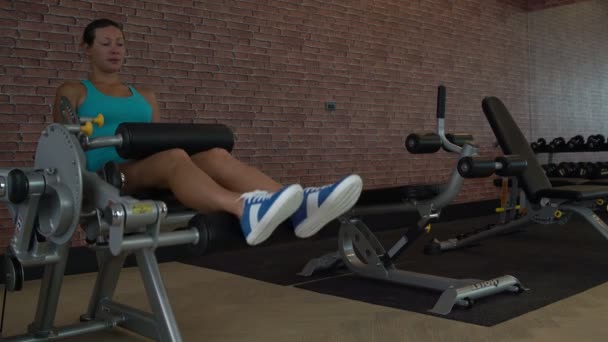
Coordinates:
(74, 92)
(147, 93)
(71, 89)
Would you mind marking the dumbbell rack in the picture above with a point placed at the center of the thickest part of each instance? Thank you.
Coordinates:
(594, 143)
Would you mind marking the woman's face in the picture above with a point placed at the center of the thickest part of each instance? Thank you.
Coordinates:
(108, 49)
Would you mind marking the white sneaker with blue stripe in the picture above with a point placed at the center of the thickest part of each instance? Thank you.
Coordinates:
(323, 204)
(263, 212)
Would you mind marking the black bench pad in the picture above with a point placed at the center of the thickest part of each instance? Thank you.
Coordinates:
(558, 181)
(603, 181)
(574, 192)
(563, 181)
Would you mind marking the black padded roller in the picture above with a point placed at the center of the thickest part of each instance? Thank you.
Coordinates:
(221, 232)
(511, 165)
(469, 167)
(417, 143)
(217, 232)
(143, 139)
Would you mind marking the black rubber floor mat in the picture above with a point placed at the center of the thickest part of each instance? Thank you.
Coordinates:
(555, 262)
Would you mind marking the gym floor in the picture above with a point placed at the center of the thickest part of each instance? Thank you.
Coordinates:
(216, 306)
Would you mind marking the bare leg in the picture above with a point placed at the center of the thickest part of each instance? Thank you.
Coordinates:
(233, 174)
(174, 170)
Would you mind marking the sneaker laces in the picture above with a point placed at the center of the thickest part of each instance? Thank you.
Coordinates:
(256, 196)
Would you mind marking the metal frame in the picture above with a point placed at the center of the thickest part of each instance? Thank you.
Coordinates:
(364, 255)
(547, 211)
(49, 201)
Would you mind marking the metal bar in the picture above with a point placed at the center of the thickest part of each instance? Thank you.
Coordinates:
(179, 237)
(50, 289)
(589, 216)
(157, 295)
(177, 220)
(498, 229)
(68, 331)
(426, 281)
(104, 142)
(454, 184)
(135, 320)
(106, 281)
(383, 209)
(2, 186)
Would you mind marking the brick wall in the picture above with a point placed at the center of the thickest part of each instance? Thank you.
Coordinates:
(535, 5)
(266, 68)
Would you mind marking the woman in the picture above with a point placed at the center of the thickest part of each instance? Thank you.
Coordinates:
(207, 181)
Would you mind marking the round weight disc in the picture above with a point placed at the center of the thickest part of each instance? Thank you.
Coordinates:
(59, 151)
(13, 274)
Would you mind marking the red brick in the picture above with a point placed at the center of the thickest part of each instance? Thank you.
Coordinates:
(542, 4)
(28, 7)
(267, 68)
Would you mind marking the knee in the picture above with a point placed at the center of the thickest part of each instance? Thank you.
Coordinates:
(215, 154)
(156, 170)
(175, 157)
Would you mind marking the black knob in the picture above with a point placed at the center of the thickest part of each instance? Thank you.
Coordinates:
(17, 186)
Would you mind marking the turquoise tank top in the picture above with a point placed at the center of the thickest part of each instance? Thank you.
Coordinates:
(115, 110)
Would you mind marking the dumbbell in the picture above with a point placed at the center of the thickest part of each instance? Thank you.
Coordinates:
(592, 168)
(598, 170)
(539, 145)
(575, 143)
(550, 169)
(566, 169)
(594, 142)
(582, 169)
(557, 144)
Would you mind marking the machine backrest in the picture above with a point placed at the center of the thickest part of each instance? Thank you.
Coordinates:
(512, 141)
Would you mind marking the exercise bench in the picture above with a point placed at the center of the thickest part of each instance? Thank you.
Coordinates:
(546, 204)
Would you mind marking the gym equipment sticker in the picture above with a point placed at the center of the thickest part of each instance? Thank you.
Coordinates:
(142, 208)
(487, 283)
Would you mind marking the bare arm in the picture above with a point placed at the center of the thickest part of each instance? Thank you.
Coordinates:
(67, 98)
(151, 98)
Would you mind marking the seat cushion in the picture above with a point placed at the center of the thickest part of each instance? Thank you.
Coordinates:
(603, 181)
(557, 181)
(574, 192)
(563, 181)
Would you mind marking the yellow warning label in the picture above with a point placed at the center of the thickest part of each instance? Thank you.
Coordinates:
(142, 208)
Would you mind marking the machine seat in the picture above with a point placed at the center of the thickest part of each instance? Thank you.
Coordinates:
(574, 192)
